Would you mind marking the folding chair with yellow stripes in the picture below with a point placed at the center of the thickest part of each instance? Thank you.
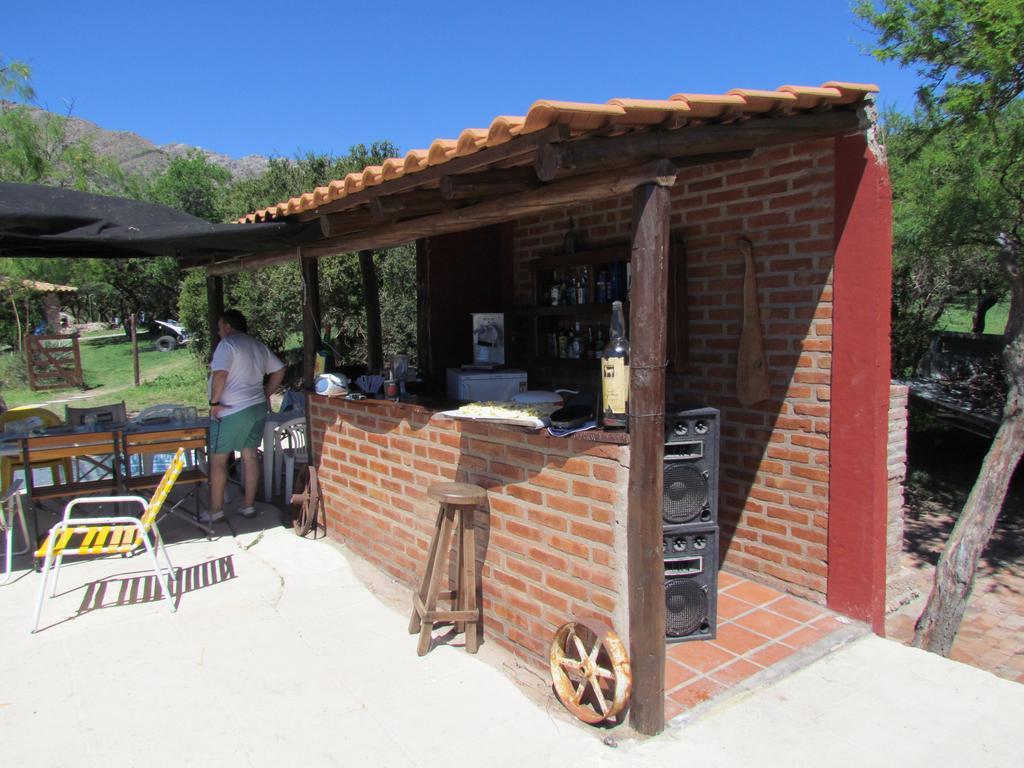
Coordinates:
(111, 535)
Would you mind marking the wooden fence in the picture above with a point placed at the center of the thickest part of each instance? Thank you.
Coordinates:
(53, 362)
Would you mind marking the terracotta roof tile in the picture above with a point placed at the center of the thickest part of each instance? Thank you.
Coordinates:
(580, 117)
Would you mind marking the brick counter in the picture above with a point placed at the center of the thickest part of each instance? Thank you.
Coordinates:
(552, 546)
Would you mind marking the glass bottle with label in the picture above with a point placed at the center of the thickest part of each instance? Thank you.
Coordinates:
(563, 343)
(615, 373)
(576, 344)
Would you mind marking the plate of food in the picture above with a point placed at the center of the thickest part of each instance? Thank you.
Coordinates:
(513, 414)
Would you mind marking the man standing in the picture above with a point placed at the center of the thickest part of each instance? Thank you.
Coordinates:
(238, 407)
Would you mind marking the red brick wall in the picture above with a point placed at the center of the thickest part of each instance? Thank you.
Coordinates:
(775, 455)
(550, 546)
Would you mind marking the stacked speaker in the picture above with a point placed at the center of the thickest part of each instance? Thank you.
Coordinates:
(690, 522)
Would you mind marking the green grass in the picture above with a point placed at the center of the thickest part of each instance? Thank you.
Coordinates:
(167, 377)
(959, 318)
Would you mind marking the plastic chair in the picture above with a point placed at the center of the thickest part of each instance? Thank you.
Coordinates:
(8, 464)
(289, 450)
(11, 508)
(111, 535)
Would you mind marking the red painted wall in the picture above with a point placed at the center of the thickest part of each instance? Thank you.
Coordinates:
(862, 300)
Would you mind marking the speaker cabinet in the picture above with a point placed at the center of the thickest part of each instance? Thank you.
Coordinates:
(691, 582)
(691, 466)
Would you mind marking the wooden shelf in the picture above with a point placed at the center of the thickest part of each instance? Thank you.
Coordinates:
(565, 362)
(573, 310)
(582, 258)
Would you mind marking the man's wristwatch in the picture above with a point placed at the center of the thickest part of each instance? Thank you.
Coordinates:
(215, 403)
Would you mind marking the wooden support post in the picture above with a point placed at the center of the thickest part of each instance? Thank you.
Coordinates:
(214, 306)
(135, 346)
(310, 319)
(645, 566)
(371, 295)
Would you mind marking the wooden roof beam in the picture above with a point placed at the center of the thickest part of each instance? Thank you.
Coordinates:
(554, 161)
(581, 189)
(500, 181)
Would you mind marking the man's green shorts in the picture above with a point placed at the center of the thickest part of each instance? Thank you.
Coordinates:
(239, 430)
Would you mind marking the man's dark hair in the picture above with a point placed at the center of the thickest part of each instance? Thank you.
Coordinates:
(235, 319)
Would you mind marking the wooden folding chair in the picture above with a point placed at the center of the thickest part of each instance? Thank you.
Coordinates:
(138, 444)
(101, 417)
(111, 535)
(74, 447)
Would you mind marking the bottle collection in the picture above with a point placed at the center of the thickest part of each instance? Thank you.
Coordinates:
(575, 341)
(571, 287)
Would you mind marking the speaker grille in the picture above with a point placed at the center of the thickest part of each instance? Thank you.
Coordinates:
(686, 493)
(686, 607)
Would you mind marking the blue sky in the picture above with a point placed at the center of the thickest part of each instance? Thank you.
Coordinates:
(278, 78)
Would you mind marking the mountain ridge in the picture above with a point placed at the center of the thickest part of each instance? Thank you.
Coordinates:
(137, 154)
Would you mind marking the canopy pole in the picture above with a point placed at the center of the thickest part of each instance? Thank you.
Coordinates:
(310, 319)
(214, 306)
(371, 295)
(645, 565)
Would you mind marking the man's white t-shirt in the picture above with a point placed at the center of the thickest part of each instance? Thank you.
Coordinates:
(247, 361)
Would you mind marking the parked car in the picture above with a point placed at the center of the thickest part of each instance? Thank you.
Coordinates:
(170, 334)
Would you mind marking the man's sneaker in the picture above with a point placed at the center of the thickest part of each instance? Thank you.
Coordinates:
(211, 517)
(247, 511)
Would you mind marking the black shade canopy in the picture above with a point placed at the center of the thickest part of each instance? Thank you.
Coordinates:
(49, 222)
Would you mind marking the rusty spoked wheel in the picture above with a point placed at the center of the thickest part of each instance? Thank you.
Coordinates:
(306, 506)
(590, 671)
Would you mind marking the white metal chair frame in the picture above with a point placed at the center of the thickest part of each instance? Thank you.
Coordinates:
(289, 450)
(69, 522)
(11, 508)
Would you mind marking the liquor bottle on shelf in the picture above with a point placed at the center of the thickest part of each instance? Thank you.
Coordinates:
(590, 351)
(556, 289)
(552, 344)
(599, 342)
(576, 344)
(600, 289)
(563, 343)
(615, 374)
(582, 288)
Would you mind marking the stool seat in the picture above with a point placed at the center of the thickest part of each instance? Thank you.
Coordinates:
(457, 493)
(455, 525)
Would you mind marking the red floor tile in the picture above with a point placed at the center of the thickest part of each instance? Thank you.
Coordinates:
(677, 674)
(726, 580)
(772, 654)
(730, 607)
(737, 671)
(767, 623)
(795, 609)
(696, 692)
(737, 639)
(757, 594)
(699, 655)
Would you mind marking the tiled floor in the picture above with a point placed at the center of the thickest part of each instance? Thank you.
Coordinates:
(757, 627)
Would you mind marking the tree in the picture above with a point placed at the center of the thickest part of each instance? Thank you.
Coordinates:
(970, 55)
(192, 184)
(271, 298)
(944, 194)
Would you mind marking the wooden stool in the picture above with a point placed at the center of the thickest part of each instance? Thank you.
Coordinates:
(453, 498)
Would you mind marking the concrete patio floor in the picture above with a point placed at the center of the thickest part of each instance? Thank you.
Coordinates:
(292, 651)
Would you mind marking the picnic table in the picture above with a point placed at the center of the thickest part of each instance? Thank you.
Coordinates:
(107, 458)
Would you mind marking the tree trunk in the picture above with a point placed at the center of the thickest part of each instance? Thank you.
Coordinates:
(954, 575)
(17, 324)
(985, 302)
